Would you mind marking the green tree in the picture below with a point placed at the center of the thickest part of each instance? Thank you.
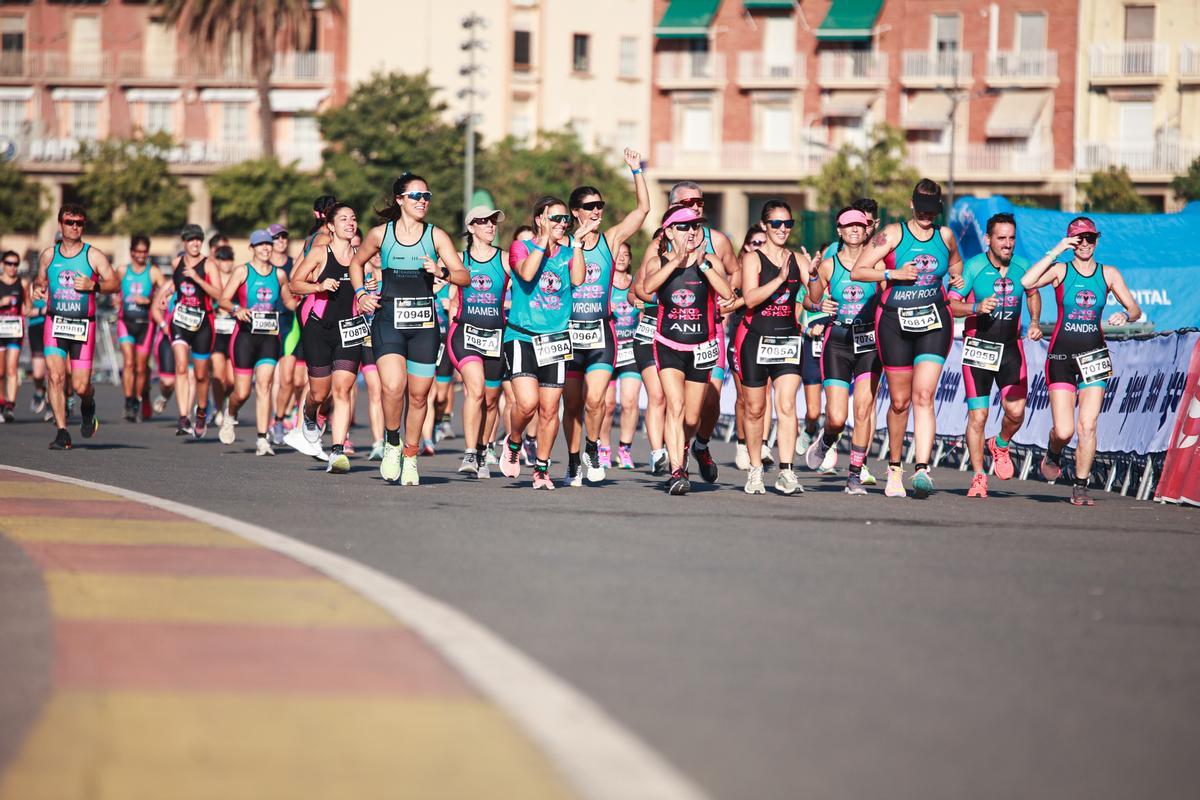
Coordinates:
(264, 24)
(877, 170)
(22, 201)
(253, 194)
(390, 124)
(128, 187)
(1187, 186)
(1112, 190)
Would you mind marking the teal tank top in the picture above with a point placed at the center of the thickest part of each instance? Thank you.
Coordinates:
(404, 272)
(932, 260)
(134, 285)
(481, 303)
(60, 279)
(542, 305)
(261, 292)
(589, 300)
(856, 299)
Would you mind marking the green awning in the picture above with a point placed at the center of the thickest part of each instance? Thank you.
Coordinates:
(849, 20)
(751, 5)
(687, 19)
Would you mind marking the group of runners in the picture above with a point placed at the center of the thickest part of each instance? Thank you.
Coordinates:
(560, 328)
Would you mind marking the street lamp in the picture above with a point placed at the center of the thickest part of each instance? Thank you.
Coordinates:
(472, 23)
(956, 96)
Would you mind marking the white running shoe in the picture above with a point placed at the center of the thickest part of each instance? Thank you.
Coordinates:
(339, 464)
(263, 448)
(741, 458)
(312, 432)
(754, 481)
(788, 483)
(227, 435)
(767, 458)
(408, 472)
(593, 470)
(389, 465)
(829, 463)
(296, 440)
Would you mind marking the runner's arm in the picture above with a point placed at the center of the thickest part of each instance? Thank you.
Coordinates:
(1116, 285)
(753, 293)
(290, 300)
(870, 265)
(633, 220)
(236, 279)
(1046, 269)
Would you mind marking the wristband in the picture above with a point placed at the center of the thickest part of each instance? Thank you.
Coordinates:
(532, 246)
(360, 290)
(885, 274)
(975, 308)
(636, 171)
(445, 272)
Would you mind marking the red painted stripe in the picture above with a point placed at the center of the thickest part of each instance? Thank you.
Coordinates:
(187, 560)
(9, 475)
(102, 509)
(173, 657)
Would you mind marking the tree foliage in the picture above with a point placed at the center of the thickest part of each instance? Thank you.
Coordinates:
(128, 188)
(22, 201)
(1112, 190)
(1187, 186)
(253, 194)
(390, 124)
(878, 170)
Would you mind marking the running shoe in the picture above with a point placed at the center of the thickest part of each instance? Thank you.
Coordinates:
(1080, 496)
(754, 481)
(815, 454)
(741, 457)
(376, 451)
(484, 472)
(788, 483)
(130, 410)
(9, 416)
(348, 447)
(530, 447)
(408, 472)
(62, 440)
(766, 458)
(708, 467)
(160, 404)
(1050, 470)
(88, 424)
(678, 484)
(147, 408)
(48, 416)
(1001, 461)
(978, 486)
(660, 464)
(922, 483)
(573, 476)
(263, 448)
(492, 461)
(276, 433)
(296, 440)
(226, 434)
(510, 461)
(469, 466)
(592, 468)
(389, 465)
(541, 480)
(427, 448)
(201, 426)
(829, 462)
(311, 430)
(339, 464)
(606, 456)
(445, 430)
(624, 457)
(183, 427)
(895, 483)
(804, 441)
(218, 418)
(854, 484)
(867, 478)
(38, 404)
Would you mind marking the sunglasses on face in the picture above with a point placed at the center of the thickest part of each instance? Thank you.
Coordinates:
(74, 223)
(758, 242)
(484, 221)
(692, 202)
(781, 223)
(559, 219)
(426, 196)
(279, 236)
(686, 226)
(12, 263)
(594, 205)
(1088, 238)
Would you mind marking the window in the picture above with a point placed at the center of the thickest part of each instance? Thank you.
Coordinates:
(628, 67)
(159, 49)
(1031, 33)
(12, 46)
(1137, 124)
(160, 117)
(779, 45)
(12, 114)
(85, 120)
(947, 32)
(776, 135)
(521, 126)
(234, 123)
(627, 134)
(522, 50)
(86, 56)
(580, 59)
(697, 128)
(1139, 23)
(583, 132)
(306, 141)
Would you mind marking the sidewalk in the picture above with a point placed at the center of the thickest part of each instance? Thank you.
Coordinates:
(190, 663)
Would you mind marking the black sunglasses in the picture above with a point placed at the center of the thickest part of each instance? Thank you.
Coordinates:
(559, 218)
(74, 223)
(12, 263)
(686, 226)
(594, 205)
(279, 236)
(757, 242)
(485, 220)
(426, 196)
(1090, 238)
(691, 202)
(782, 223)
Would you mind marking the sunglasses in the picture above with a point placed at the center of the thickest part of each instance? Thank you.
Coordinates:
(426, 196)
(757, 242)
(12, 263)
(594, 205)
(74, 223)
(781, 223)
(691, 202)
(559, 218)
(484, 220)
(279, 236)
(1089, 238)
(686, 226)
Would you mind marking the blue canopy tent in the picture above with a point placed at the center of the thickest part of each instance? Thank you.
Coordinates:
(1159, 254)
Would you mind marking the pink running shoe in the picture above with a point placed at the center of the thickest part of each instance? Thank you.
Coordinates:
(606, 456)
(1001, 461)
(541, 480)
(625, 457)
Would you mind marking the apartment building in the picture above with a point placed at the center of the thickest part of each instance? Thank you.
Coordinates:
(77, 72)
(1138, 103)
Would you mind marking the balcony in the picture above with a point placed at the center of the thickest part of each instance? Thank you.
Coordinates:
(1003, 162)
(192, 153)
(1189, 63)
(685, 70)
(745, 160)
(303, 67)
(55, 67)
(852, 70)
(1022, 69)
(1159, 161)
(307, 154)
(756, 72)
(16, 64)
(928, 69)
(135, 67)
(1127, 63)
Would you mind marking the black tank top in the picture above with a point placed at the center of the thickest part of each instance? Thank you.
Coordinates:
(12, 297)
(686, 314)
(187, 291)
(339, 304)
(776, 316)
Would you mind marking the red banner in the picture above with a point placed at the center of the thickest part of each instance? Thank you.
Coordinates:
(1180, 482)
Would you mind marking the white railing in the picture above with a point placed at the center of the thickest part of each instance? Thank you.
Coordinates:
(1169, 158)
(948, 65)
(77, 65)
(137, 66)
(1189, 60)
(1128, 60)
(192, 152)
(999, 159)
(307, 156)
(686, 67)
(302, 67)
(741, 157)
(1013, 65)
(756, 67)
(852, 66)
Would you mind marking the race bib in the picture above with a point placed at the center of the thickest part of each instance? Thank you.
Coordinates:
(647, 327)
(1094, 365)
(817, 347)
(552, 348)
(920, 319)
(482, 340)
(224, 325)
(354, 331)
(264, 322)
(982, 354)
(74, 330)
(779, 350)
(864, 338)
(190, 318)
(11, 327)
(705, 356)
(625, 354)
(587, 335)
(412, 313)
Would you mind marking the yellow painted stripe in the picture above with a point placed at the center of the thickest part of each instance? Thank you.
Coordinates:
(47, 490)
(149, 746)
(116, 531)
(247, 601)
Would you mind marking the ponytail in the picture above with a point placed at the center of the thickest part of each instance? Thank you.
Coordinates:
(391, 212)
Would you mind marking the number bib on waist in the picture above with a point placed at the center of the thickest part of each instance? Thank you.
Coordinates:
(482, 340)
(705, 356)
(224, 325)
(11, 327)
(864, 338)
(552, 348)
(625, 355)
(587, 335)
(647, 327)
(779, 350)
(817, 346)
(919, 319)
(189, 318)
(74, 330)
(1094, 365)
(354, 331)
(264, 322)
(412, 313)
(982, 354)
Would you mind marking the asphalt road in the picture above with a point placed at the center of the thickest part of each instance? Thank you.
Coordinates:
(818, 646)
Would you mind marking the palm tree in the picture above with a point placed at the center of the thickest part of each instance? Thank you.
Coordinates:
(211, 24)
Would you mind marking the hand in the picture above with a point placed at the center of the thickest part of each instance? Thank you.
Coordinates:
(330, 285)
(371, 284)
(805, 263)
(906, 272)
(988, 304)
(367, 303)
(1118, 319)
(84, 283)
(727, 307)
(189, 272)
(633, 158)
(589, 226)
(1035, 332)
(243, 314)
(1069, 243)
(431, 266)
(545, 231)
(816, 331)
(958, 282)
(39, 292)
(828, 305)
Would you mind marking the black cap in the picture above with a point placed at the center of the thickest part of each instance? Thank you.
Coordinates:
(927, 203)
(224, 253)
(191, 231)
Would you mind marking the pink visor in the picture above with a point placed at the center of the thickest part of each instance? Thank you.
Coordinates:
(684, 214)
(853, 217)
(1081, 226)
